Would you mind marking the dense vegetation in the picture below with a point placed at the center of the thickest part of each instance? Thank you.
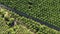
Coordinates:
(9, 26)
(45, 10)
(12, 23)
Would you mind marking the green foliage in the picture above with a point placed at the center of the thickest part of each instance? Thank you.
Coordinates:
(29, 23)
(45, 10)
(5, 24)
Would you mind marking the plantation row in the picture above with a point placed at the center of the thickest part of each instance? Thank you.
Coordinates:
(47, 10)
(9, 26)
(13, 18)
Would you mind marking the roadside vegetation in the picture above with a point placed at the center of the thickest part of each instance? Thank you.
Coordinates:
(8, 24)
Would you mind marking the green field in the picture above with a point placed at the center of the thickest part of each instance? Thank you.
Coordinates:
(45, 10)
(21, 24)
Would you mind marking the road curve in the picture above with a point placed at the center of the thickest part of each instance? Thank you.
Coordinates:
(30, 17)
